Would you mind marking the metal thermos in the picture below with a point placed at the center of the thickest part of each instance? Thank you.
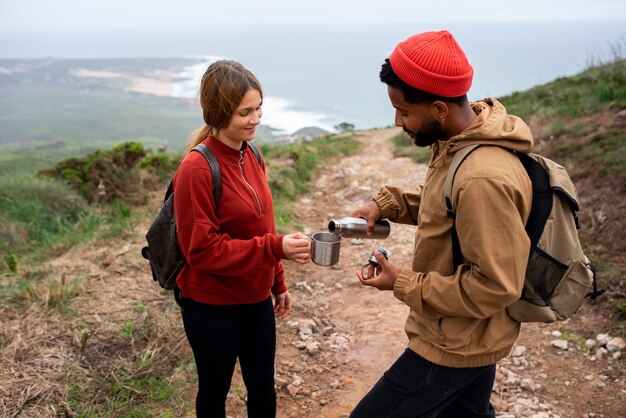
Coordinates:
(351, 227)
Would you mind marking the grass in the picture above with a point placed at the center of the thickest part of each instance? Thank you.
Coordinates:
(292, 166)
(41, 217)
(127, 395)
(572, 97)
(14, 164)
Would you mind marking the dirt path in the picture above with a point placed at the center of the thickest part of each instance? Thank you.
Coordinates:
(368, 324)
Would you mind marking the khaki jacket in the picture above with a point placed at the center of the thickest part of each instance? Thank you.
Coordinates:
(458, 318)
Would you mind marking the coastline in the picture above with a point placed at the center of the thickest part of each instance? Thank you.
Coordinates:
(280, 117)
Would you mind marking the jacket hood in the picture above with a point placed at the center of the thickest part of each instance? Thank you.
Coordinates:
(494, 126)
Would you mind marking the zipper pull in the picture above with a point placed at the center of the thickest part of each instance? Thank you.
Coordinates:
(240, 157)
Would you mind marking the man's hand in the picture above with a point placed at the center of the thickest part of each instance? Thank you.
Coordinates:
(387, 277)
(371, 212)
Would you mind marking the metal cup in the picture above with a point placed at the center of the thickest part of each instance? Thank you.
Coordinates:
(325, 248)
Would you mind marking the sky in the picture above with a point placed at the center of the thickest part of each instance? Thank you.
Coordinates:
(30, 15)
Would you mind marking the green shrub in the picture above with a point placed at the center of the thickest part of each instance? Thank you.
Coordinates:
(162, 164)
(295, 164)
(102, 176)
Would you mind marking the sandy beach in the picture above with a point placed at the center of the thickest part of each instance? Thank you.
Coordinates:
(161, 85)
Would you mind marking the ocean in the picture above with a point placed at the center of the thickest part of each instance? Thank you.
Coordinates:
(322, 75)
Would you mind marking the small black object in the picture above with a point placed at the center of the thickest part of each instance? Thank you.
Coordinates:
(373, 263)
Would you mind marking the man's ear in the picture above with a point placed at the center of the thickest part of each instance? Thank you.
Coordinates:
(439, 110)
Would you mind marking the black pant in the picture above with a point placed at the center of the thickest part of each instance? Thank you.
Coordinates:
(218, 335)
(414, 387)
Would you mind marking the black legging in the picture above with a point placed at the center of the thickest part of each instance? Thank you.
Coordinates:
(218, 334)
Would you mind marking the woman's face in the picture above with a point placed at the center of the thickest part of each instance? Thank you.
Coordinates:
(243, 123)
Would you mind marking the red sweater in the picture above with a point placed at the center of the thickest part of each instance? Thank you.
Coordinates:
(233, 256)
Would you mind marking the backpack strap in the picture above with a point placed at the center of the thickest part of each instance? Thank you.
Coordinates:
(170, 190)
(459, 157)
(215, 170)
(542, 199)
(216, 176)
(255, 151)
(595, 292)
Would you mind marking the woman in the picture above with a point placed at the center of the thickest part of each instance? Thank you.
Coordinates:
(233, 254)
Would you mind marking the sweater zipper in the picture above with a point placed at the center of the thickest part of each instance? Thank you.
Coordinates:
(248, 184)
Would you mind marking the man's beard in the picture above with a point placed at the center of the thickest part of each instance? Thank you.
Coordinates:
(430, 133)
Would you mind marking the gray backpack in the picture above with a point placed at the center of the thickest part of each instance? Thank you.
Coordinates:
(559, 276)
(162, 250)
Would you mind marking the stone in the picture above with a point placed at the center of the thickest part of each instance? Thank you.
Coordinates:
(280, 382)
(528, 385)
(601, 352)
(589, 377)
(313, 348)
(304, 286)
(603, 339)
(622, 113)
(615, 345)
(560, 344)
(293, 390)
(307, 327)
(521, 410)
(556, 334)
(338, 343)
(591, 344)
(518, 351)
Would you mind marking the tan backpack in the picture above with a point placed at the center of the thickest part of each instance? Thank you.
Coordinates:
(559, 276)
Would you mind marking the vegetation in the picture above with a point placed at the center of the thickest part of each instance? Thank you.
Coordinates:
(590, 91)
(292, 167)
(570, 108)
(103, 176)
(345, 127)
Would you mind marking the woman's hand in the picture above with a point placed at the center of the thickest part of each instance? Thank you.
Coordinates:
(297, 247)
(282, 305)
(371, 212)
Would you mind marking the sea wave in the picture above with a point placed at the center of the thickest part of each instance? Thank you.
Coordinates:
(188, 83)
(278, 113)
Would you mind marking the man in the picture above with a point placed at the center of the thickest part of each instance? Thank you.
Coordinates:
(458, 327)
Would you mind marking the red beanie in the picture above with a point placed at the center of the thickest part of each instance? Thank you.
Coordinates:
(433, 62)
